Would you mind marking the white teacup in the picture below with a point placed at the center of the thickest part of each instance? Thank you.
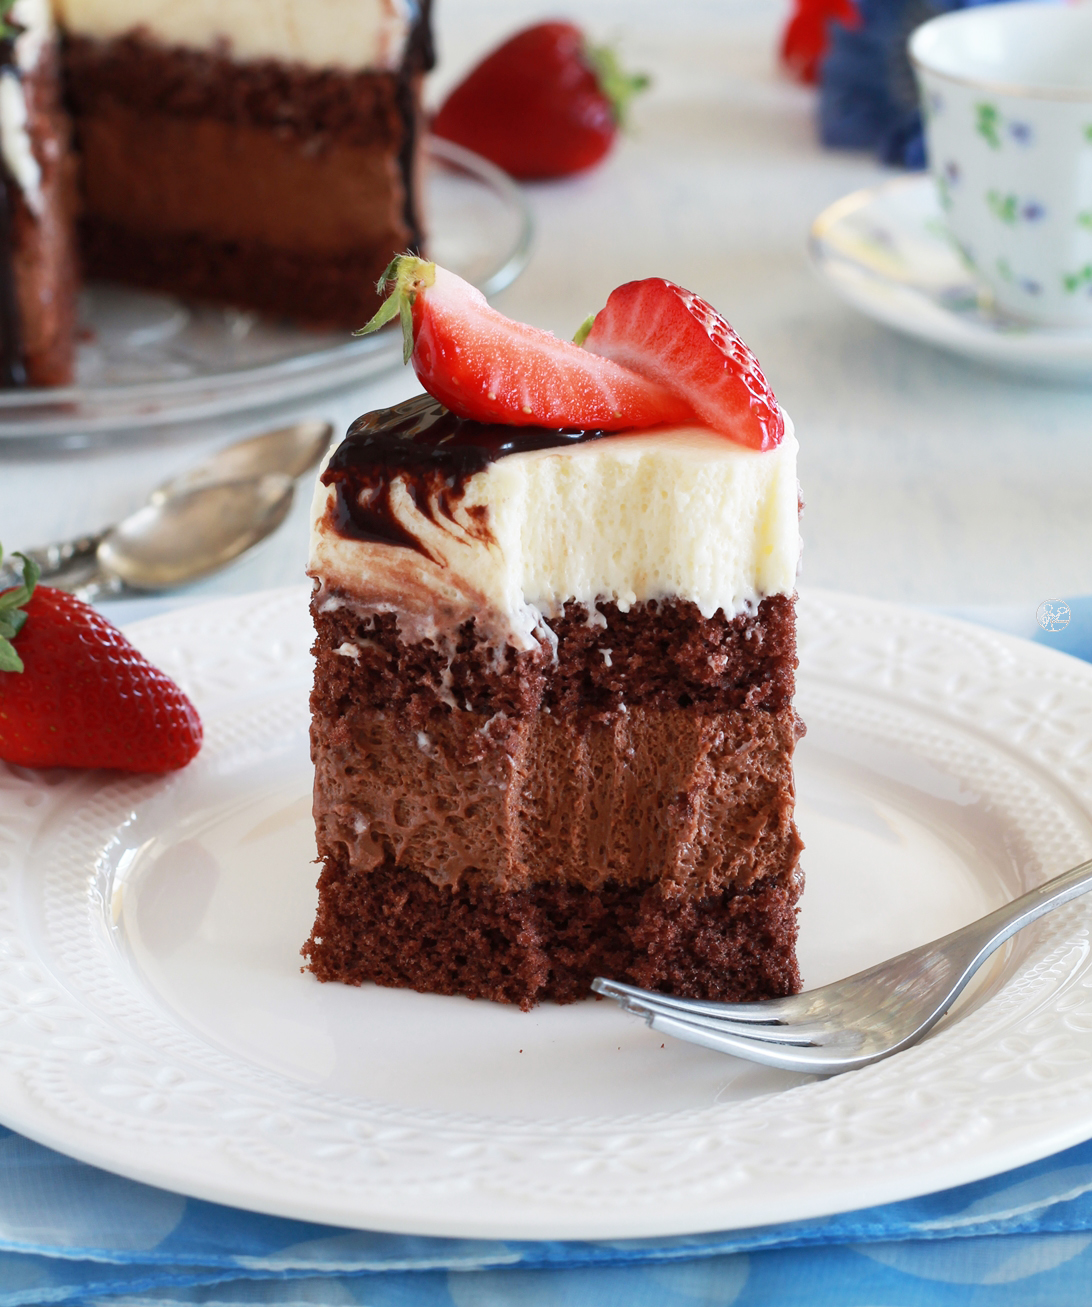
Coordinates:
(1006, 96)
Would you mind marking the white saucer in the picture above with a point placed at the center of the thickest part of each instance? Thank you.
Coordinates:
(888, 253)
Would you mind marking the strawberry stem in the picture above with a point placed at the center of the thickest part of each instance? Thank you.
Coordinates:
(406, 274)
(582, 331)
(616, 84)
(12, 616)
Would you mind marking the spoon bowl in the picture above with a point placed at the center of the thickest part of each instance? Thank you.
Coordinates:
(195, 531)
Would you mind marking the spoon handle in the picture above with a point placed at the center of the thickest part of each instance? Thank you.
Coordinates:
(66, 556)
(101, 584)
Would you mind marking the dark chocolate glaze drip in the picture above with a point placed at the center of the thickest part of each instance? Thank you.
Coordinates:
(419, 57)
(434, 453)
(12, 369)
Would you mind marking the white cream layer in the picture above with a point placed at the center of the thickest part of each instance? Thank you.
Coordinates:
(36, 21)
(683, 513)
(353, 34)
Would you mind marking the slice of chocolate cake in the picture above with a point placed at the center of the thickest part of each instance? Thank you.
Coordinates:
(38, 269)
(552, 714)
(258, 154)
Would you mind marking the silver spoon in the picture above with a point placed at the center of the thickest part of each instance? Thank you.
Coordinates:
(861, 1019)
(188, 534)
(290, 450)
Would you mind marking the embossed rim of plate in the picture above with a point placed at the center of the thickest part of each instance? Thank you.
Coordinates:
(1007, 1083)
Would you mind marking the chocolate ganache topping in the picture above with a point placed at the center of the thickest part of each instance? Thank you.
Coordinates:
(433, 452)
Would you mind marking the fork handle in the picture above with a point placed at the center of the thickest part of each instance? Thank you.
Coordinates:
(996, 927)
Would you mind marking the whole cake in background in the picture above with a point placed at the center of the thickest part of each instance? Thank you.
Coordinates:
(262, 154)
(552, 714)
(38, 269)
(257, 154)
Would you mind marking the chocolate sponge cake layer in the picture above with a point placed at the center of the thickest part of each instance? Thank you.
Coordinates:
(661, 654)
(549, 941)
(321, 292)
(268, 185)
(621, 807)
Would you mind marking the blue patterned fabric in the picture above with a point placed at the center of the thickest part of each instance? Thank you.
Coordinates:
(868, 99)
(70, 1233)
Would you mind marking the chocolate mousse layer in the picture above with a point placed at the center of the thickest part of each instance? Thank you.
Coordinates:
(267, 185)
(508, 824)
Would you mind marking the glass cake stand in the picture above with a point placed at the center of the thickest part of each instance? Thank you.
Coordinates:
(152, 361)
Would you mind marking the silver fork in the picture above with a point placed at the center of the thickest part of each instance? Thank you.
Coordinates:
(858, 1020)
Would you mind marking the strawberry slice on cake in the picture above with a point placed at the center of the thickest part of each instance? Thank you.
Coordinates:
(482, 365)
(675, 339)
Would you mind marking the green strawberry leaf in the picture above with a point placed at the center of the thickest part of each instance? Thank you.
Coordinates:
(11, 623)
(616, 84)
(12, 616)
(8, 29)
(406, 274)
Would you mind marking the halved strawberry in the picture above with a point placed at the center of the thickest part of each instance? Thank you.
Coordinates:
(674, 338)
(483, 365)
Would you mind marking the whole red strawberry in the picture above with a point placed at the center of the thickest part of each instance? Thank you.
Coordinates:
(806, 38)
(75, 693)
(543, 104)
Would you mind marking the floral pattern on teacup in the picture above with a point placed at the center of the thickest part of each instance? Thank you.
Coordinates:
(992, 125)
(988, 124)
(1078, 282)
(1010, 209)
(1015, 133)
(1027, 284)
(997, 161)
(947, 178)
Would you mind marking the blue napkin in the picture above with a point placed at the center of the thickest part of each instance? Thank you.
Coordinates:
(1066, 625)
(70, 1233)
(868, 99)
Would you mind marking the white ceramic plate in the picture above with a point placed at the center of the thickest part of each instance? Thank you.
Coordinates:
(888, 253)
(152, 361)
(154, 1019)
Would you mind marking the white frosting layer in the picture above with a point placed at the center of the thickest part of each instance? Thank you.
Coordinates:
(35, 17)
(628, 518)
(353, 34)
(15, 139)
(36, 20)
